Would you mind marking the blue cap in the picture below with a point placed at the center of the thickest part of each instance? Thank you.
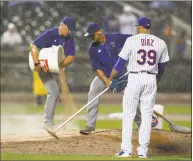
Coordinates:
(70, 22)
(92, 28)
(144, 21)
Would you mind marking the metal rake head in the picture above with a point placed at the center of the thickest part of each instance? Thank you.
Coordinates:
(179, 128)
(53, 133)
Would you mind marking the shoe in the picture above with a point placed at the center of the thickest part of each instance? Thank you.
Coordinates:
(87, 130)
(154, 121)
(49, 126)
(122, 154)
(143, 156)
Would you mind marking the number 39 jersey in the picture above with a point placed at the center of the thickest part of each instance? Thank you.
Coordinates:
(144, 52)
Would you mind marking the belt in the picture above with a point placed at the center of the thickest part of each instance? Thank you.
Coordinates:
(143, 71)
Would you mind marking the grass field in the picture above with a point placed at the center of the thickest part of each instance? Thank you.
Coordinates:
(101, 124)
(103, 109)
(9, 156)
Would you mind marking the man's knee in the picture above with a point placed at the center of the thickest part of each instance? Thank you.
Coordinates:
(54, 92)
(94, 91)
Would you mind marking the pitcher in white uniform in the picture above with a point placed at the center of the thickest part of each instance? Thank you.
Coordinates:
(146, 55)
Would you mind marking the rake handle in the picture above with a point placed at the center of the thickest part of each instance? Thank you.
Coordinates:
(71, 117)
(158, 114)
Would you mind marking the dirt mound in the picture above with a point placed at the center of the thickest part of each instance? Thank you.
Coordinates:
(101, 143)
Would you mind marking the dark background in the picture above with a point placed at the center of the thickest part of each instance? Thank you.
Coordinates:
(31, 19)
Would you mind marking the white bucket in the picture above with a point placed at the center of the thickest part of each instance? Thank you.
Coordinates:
(159, 109)
(49, 58)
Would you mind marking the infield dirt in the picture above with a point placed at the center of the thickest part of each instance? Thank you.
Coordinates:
(102, 142)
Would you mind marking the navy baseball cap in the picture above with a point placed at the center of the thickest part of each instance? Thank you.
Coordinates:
(92, 28)
(70, 22)
(144, 21)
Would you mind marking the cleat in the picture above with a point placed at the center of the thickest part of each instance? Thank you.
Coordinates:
(87, 130)
(123, 154)
(142, 156)
(49, 127)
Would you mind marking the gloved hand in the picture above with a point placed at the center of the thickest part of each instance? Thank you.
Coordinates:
(114, 84)
(119, 84)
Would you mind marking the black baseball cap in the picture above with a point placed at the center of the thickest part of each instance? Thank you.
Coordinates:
(92, 28)
(144, 21)
(70, 22)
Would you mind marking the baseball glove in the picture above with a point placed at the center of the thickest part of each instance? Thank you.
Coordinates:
(119, 84)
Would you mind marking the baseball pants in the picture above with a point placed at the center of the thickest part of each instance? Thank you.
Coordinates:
(141, 89)
(96, 87)
(52, 95)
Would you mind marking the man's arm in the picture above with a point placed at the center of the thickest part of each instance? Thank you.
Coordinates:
(123, 57)
(67, 61)
(162, 61)
(161, 68)
(38, 44)
(117, 68)
(102, 76)
(69, 50)
(34, 53)
(96, 67)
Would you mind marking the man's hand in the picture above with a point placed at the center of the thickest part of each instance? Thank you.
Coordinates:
(39, 67)
(107, 83)
(114, 84)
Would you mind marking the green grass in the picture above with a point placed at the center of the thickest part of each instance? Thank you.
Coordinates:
(168, 109)
(103, 109)
(117, 124)
(182, 123)
(104, 124)
(10, 156)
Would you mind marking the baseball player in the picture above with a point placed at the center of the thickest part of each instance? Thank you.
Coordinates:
(146, 55)
(103, 53)
(55, 36)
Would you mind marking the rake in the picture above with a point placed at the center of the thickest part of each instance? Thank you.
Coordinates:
(53, 132)
(174, 127)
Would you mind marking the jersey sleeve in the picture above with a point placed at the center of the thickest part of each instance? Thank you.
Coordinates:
(69, 48)
(125, 52)
(43, 39)
(164, 55)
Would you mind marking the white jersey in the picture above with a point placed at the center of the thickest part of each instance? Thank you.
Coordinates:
(144, 52)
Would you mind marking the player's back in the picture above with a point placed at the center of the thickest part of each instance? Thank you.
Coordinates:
(145, 52)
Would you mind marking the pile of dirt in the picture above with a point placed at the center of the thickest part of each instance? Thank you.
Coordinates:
(101, 143)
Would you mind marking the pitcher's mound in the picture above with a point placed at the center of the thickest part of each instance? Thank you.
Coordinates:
(103, 142)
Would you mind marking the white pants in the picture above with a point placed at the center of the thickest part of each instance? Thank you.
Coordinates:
(141, 89)
(96, 87)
